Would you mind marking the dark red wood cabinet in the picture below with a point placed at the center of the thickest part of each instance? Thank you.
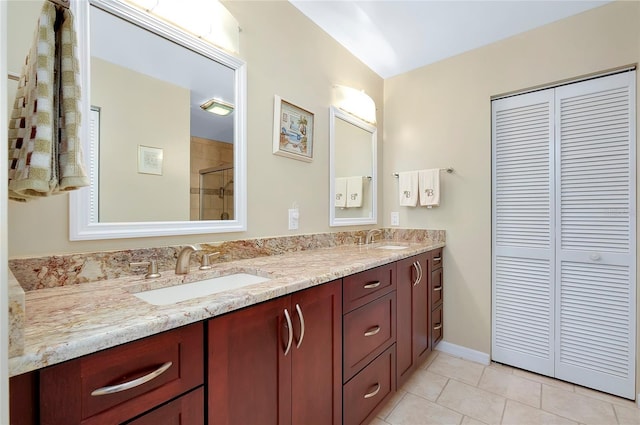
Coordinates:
(414, 316)
(116, 385)
(331, 354)
(369, 330)
(436, 296)
(278, 362)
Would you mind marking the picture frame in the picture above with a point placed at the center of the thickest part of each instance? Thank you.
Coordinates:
(150, 160)
(292, 131)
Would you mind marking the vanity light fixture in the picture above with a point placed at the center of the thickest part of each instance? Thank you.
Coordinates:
(356, 102)
(217, 106)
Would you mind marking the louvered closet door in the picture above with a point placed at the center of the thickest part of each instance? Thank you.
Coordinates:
(595, 269)
(523, 244)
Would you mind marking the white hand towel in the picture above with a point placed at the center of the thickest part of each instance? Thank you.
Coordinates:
(429, 187)
(354, 192)
(408, 188)
(341, 192)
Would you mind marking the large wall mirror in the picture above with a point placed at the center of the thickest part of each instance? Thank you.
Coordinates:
(353, 170)
(160, 163)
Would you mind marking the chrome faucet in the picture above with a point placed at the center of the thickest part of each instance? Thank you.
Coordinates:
(371, 234)
(184, 259)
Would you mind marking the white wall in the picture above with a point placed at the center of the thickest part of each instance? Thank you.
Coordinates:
(440, 115)
(286, 55)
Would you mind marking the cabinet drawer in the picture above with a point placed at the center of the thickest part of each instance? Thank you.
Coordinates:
(360, 288)
(437, 325)
(436, 259)
(368, 331)
(164, 366)
(436, 287)
(370, 389)
(186, 410)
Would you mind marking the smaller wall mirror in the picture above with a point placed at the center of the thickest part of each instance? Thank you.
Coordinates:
(353, 170)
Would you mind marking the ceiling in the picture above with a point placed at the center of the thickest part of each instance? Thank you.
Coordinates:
(395, 36)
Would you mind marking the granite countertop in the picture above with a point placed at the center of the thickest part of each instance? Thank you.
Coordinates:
(71, 321)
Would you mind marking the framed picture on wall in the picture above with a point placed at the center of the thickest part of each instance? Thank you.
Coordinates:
(149, 160)
(292, 131)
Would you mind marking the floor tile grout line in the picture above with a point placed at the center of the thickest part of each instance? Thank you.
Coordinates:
(564, 415)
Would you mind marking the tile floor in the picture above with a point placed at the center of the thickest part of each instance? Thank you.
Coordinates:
(450, 390)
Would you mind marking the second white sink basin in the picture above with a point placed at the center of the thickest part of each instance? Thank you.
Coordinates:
(392, 247)
(187, 291)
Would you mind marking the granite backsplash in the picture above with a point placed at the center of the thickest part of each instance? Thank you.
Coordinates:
(72, 269)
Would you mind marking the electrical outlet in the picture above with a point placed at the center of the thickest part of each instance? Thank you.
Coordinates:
(294, 217)
(395, 218)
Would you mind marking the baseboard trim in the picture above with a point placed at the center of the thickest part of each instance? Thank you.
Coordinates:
(463, 352)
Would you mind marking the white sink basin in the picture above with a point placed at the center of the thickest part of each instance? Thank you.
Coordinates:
(392, 247)
(187, 291)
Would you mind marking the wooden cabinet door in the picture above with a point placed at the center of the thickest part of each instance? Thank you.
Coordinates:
(317, 355)
(249, 377)
(421, 311)
(412, 314)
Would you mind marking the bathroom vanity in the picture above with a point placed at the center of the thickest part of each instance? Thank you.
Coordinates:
(327, 339)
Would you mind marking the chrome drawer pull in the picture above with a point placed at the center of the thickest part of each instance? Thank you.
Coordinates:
(290, 329)
(372, 331)
(437, 258)
(437, 327)
(438, 288)
(301, 318)
(372, 285)
(374, 392)
(132, 384)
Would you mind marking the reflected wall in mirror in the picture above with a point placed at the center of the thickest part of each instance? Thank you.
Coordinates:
(147, 82)
(353, 170)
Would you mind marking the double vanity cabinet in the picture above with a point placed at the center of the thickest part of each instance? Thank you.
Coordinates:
(330, 354)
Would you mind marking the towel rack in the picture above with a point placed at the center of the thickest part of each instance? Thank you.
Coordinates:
(448, 170)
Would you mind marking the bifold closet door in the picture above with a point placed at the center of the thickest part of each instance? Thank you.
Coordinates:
(523, 243)
(564, 232)
(595, 251)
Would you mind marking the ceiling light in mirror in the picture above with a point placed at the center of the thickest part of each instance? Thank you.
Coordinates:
(218, 107)
(207, 19)
(355, 102)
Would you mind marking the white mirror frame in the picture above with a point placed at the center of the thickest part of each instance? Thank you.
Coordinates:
(83, 203)
(335, 113)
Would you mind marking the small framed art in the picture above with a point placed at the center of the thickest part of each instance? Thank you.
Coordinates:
(292, 131)
(149, 160)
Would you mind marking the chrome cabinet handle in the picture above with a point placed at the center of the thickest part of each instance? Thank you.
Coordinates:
(418, 267)
(372, 285)
(372, 331)
(438, 288)
(301, 318)
(437, 258)
(132, 384)
(374, 392)
(437, 327)
(290, 329)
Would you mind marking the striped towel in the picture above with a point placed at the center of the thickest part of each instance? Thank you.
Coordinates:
(44, 124)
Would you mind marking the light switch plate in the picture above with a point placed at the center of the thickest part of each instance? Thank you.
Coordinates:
(294, 217)
(395, 218)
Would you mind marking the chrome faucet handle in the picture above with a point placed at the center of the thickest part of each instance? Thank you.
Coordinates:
(152, 268)
(206, 265)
